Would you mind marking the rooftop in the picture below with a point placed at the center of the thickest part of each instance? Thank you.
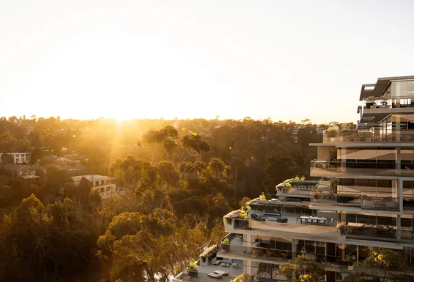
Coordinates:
(90, 177)
(376, 90)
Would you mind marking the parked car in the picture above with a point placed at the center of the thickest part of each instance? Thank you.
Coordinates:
(223, 273)
(215, 274)
(219, 260)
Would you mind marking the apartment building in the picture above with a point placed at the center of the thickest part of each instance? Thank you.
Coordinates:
(19, 158)
(363, 200)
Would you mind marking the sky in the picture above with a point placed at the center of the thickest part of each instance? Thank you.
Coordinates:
(288, 60)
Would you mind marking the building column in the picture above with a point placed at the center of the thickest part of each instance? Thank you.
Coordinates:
(294, 248)
(398, 227)
(247, 266)
(247, 243)
(397, 129)
(399, 183)
(343, 159)
(398, 160)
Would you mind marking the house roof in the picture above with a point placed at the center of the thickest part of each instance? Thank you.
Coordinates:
(28, 176)
(37, 166)
(377, 89)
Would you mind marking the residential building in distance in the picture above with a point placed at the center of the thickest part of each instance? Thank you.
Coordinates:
(363, 199)
(105, 185)
(19, 158)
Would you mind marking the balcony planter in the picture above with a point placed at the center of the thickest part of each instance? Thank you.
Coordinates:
(331, 133)
(342, 229)
(242, 224)
(192, 269)
(192, 274)
(225, 245)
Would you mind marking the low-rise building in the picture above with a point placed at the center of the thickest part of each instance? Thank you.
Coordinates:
(105, 185)
(19, 158)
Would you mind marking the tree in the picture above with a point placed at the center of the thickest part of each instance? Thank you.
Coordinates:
(168, 173)
(7, 158)
(195, 142)
(384, 265)
(5, 196)
(243, 277)
(279, 168)
(267, 270)
(302, 269)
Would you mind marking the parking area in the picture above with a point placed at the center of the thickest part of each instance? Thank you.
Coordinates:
(205, 269)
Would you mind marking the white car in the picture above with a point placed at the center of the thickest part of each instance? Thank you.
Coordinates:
(215, 274)
(223, 273)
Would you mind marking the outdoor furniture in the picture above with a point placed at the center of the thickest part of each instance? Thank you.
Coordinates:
(224, 264)
(304, 218)
(235, 265)
(260, 218)
(282, 220)
(271, 213)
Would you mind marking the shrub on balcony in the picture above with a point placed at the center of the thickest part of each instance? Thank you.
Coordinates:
(342, 227)
(226, 244)
(192, 268)
(262, 197)
(210, 252)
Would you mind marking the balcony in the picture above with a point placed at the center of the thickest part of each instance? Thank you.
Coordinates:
(361, 201)
(368, 136)
(293, 229)
(237, 250)
(332, 168)
(388, 105)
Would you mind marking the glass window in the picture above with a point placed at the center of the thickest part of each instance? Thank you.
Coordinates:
(384, 183)
(408, 184)
(362, 182)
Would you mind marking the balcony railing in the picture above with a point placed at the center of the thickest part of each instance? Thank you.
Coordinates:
(356, 200)
(403, 135)
(256, 252)
(390, 103)
(338, 167)
(366, 231)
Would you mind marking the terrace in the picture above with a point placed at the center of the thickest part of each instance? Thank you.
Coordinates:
(275, 217)
(383, 105)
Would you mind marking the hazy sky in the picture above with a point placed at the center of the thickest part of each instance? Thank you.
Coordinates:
(287, 60)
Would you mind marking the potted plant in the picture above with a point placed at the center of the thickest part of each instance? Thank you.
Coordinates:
(226, 244)
(315, 194)
(350, 259)
(192, 268)
(342, 228)
(370, 102)
(331, 132)
(287, 186)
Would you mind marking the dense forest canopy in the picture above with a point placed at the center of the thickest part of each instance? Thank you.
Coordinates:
(179, 177)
